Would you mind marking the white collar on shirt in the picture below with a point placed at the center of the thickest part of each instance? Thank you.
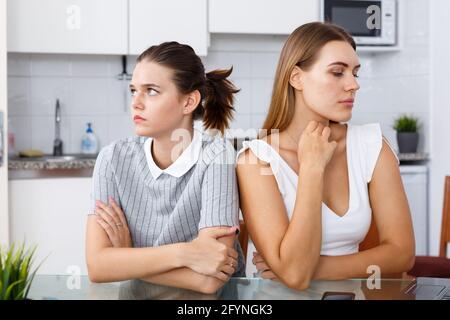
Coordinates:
(182, 164)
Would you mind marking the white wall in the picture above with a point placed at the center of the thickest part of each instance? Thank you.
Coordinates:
(4, 222)
(440, 115)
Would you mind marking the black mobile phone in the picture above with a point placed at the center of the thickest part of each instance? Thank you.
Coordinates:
(338, 296)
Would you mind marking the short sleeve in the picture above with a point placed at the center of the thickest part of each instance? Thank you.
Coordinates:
(371, 139)
(219, 192)
(371, 143)
(103, 181)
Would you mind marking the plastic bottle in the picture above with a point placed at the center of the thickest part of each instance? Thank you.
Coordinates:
(89, 142)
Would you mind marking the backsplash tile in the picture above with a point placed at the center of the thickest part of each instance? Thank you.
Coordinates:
(19, 96)
(43, 94)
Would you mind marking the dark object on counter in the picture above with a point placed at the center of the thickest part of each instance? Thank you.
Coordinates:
(338, 296)
(57, 143)
(407, 141)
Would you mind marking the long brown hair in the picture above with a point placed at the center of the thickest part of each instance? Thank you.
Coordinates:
(300, 50)
(216, 106)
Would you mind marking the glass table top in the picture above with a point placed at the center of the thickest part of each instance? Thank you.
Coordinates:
(64, 287)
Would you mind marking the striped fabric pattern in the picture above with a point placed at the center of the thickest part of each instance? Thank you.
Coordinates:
(168, 209)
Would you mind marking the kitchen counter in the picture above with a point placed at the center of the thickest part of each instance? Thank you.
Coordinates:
(33, 168)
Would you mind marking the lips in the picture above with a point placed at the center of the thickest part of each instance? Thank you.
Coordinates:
(138, 119)
(348, 102)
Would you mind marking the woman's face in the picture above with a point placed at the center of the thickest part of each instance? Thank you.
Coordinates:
(156, 106)
(329, 86)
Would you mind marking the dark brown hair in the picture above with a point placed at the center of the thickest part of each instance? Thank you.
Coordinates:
(301, 49)
(216, 106)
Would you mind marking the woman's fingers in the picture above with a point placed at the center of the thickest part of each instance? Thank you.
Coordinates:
(262, 266)
(326, 133)
(232, 253)
(268, 275)
(109, 231)
(111, 212)
(217, 233)
(118, 211)
(106, 218)
(231, 262)
(222, 276)
(257, 258)
(319, 128)
(312, 125)
(229, 270)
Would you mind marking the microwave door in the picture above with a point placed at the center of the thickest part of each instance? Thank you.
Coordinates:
(354, 17)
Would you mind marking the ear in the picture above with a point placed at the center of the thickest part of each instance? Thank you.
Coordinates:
(192, 102)
(295, 79)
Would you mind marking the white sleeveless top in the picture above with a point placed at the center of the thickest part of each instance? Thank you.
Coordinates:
(340, 235)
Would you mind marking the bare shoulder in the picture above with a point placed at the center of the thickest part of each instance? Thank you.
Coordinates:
(387, 155)
(387, 167)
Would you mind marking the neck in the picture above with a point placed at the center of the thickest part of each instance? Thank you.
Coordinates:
(302, 116)
(167, 147)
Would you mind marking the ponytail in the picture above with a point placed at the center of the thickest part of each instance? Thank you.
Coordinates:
(219, 99)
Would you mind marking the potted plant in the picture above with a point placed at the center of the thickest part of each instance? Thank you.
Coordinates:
(407, 133)
(15, 275)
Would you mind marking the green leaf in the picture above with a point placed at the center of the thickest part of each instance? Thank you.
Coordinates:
(9, 290)
(15, 277)
(406, 123)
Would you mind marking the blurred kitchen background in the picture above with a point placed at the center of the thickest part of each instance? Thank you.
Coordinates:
(82, 54)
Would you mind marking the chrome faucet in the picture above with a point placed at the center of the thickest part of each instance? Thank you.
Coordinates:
(57, 143)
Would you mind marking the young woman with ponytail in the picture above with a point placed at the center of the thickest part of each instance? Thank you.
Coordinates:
(165, 203)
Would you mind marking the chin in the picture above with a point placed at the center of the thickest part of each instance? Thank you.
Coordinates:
(342, 118)
(142, 132)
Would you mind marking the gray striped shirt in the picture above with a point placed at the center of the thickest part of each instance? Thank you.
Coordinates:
(168, 209)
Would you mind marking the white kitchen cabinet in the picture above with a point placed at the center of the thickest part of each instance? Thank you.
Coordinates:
(261, 16)
(68, 26)
(415, 182)
(152, 22)
(51, 213)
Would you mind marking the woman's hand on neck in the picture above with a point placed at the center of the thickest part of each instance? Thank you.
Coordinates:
(302, 116)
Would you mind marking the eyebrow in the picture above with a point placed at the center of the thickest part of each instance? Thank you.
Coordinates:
(146, 85)
(339, 63)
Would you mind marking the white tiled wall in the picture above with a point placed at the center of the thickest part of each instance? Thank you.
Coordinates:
(391, 83)
(88, 92)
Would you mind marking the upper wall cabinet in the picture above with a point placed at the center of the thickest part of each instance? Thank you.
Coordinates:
(155, 21)
(67, 26)
(261, 16)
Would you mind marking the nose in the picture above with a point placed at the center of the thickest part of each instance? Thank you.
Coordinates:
(352, 84)
(137, 101)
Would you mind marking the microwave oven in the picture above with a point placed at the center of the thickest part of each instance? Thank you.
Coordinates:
(371, 23)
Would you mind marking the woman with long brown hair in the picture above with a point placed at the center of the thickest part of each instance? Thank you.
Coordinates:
(311, 183)
(165, 203)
